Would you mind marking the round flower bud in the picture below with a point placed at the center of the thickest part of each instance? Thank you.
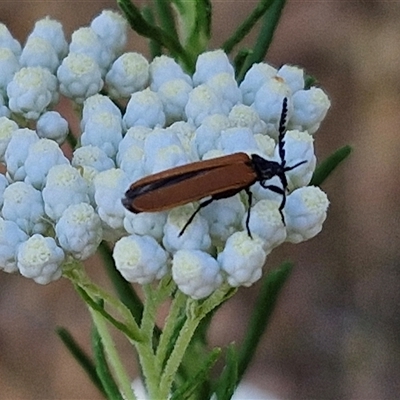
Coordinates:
(39, 52)
(309, 109)
(79, 76)
(211, 63)
(305, 212)
(42, 155)
(52, 31)
(51, 125)
(144, 108)
(41, 259)
(31, 91)
(111, 27)
(64, 186)
(11, 236)
(164, 69)
(79, 231)
(128, 74)
(9, 65)
(196, 273)
(140, 259)
(256, 76)
(242, 259)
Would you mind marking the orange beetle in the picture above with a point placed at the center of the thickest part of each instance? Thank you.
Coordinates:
(217, 178)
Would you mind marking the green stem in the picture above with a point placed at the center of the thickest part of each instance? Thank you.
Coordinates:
(143, 28)
(270, 23)
(247, 25)
(170, 325)
(112, 355)
(91, 293)
(176, 356)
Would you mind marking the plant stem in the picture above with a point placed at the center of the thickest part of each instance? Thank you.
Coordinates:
(112, 355)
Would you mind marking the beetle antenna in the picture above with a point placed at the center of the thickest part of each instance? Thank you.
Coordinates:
(282, 131)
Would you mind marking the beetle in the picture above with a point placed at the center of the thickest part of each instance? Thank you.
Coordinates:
(217, 178)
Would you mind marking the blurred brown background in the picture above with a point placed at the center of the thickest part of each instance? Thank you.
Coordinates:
(336, 331)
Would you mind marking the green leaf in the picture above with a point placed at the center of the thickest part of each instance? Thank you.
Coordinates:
(102, 369)
(166, 17)
(139, 24)
(123, 288)
(327, 166)
(188, 388)
(264, 307)
(247, 25)
(270, 22)
(96, 307)
(201, 29)
(227, 383)
(154, 47)
(81, 357)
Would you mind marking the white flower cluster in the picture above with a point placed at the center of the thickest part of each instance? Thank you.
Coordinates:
(54, 208)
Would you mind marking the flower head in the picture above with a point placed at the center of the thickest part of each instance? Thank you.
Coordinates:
(56, 207)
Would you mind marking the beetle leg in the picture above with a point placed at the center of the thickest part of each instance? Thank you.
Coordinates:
(202, 205)
(277, 189)
(250, 198)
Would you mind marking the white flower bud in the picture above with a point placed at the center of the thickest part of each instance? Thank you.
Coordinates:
(144, 108)
(31, 91)
(97, 104)
(226, 87)
(9, 65)
(266, 222)
(203, 102)
(309, 109)
(42, 155)
(92, 156)
(150, 224)
(140, 259)
(4, 110)
(174, 95)
(39, 52)
(234, 140)
(305, 212)
(128, 74)
(3, 185)
(111, 27)
(103, 130)
(110, 187)
(85, 41)
(207, 134)
(196, 273)
(196, 235)
(41, 259)
(245, 116)
(224, 217)
(132, 162)
(242, 259)
(134, 136)
(79, 76)
(164, 69)
(79, 231)
(11, 236)
(293, 76)
(299, 146)
(52, 31)
(17, 152)
(255, 77)
(211, 63)
(6, 40)
(51, 125)
(7, 128)
(64, 186)
(268, 103)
